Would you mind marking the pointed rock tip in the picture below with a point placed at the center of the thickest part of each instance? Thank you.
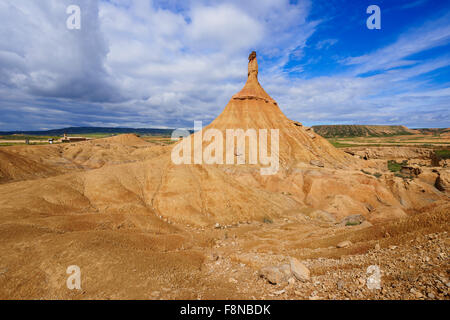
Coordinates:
(252, 89)
(252, 65)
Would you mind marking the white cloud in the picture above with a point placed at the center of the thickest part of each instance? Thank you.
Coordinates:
(40, 56)
(222, 28)
(431, 35)
(142, 63)
(324, 44)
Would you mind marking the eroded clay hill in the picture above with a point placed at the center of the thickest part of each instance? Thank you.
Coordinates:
(253, 108)
(313, 175)
(14, 167)
(32, 162)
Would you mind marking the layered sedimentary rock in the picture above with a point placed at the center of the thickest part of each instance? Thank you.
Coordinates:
(253, 108)
(313, 175)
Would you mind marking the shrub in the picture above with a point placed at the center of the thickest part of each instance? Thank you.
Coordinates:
(267, 220)
(397, 174)
(393, 166)
(443, 154)
(377, 174)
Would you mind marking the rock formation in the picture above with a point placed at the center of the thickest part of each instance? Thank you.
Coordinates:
(142, 227)
(253, 108)
(313, 175)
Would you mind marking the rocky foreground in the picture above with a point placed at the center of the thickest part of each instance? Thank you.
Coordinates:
(257, 261)
(418, 270)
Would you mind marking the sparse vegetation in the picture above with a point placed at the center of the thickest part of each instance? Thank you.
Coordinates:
(393, 166)
(419, 140)
(338, 144)
(403, 176)
(443, 154)
(376, 174)
(156, 139)
(267, 220)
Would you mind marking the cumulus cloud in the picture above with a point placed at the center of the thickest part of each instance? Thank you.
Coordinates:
(181, 65)
(39, 56)
(142, 63)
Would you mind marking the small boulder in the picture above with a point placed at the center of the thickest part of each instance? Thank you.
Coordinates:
(416, 293)
(442, 182)
(366, 224)
(317, 163)
(286, 270)
(353, 220)
(279, 292)
(273, 274)
(349, 152)
(411, 171)
(299, 270)
(344, 244)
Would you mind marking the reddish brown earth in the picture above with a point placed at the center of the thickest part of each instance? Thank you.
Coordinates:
(141, 227)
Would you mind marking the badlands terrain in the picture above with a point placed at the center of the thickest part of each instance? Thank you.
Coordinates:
(141, 227)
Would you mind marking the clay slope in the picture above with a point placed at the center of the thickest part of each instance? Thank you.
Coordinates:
(253, 108)
(391, 153)
(207, 194)
(200, 195)
(446, 132)
(113, 150)
(140, 226)
(14, 167)
(29, 162)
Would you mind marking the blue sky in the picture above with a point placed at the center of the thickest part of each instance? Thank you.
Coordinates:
(140, 63)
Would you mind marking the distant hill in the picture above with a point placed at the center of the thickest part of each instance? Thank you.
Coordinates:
(434, 131)
(327, 131)
(91, 130)
(335, 131)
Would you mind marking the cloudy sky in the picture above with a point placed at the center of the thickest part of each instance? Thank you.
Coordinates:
(141, 63)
